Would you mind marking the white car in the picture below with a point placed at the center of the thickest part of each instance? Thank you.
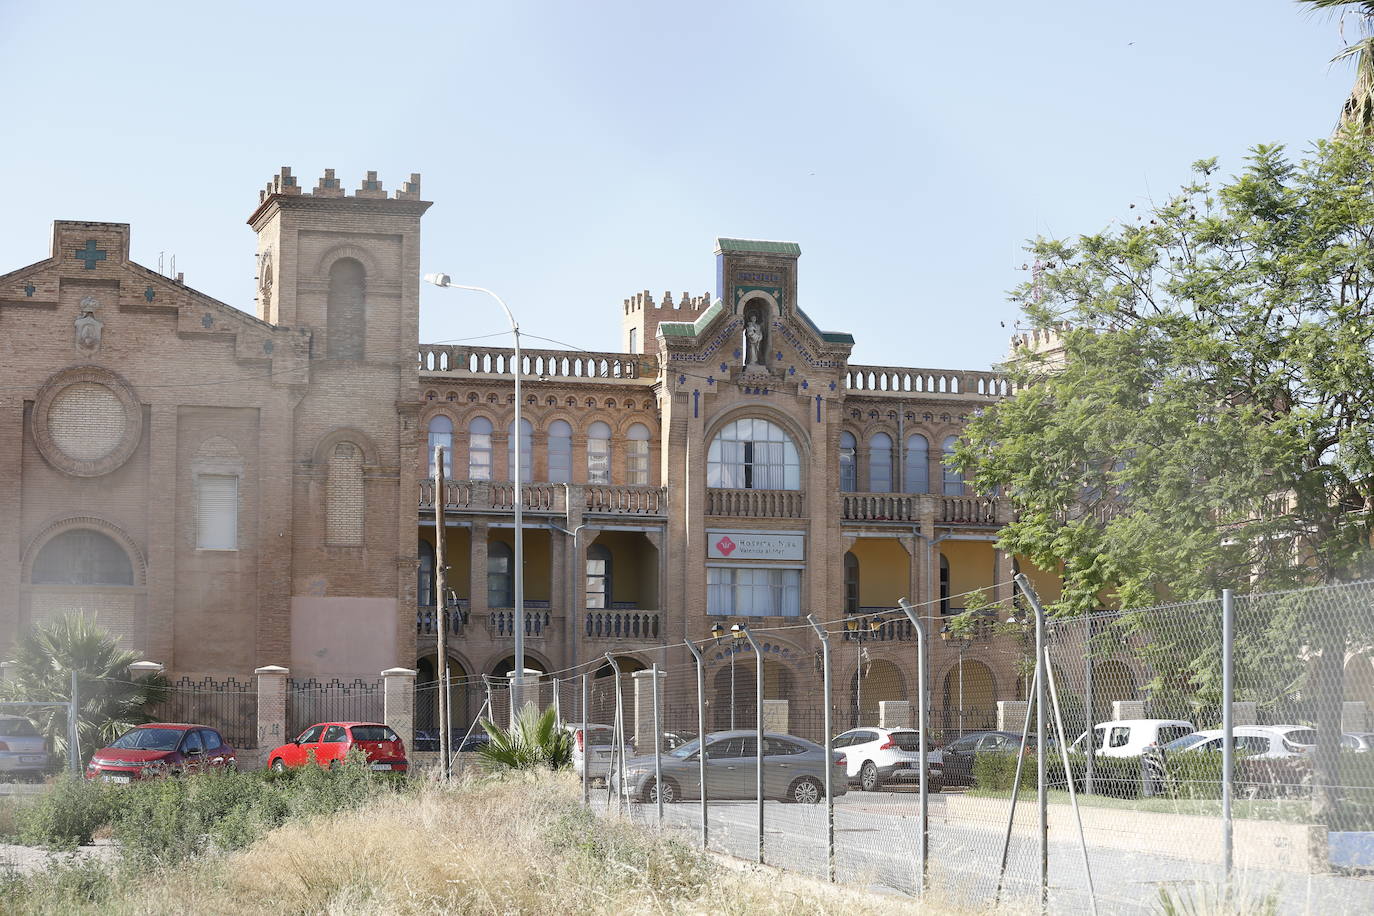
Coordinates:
(1266, 741)
(22, 749)
(1131, 737)
(876, 756)
(593, 750)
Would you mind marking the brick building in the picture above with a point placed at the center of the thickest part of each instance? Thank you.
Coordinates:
(227, 490)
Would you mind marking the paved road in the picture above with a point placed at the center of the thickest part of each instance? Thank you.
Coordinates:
(876, 837)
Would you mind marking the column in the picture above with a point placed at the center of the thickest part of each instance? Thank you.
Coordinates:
(477, 575)
(398, 703)
(272, 686)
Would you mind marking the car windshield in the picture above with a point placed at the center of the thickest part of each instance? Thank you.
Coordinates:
(149, 739)
(18, 728)
(599, 737)
(907, 741)
(1171, 733)
(373, 733)
(1182, 744)
(682, 752)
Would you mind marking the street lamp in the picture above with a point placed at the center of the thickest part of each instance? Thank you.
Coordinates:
(445, 281)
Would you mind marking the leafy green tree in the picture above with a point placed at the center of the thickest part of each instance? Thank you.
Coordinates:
(109, 700)
(1208, 421)
(534, 741)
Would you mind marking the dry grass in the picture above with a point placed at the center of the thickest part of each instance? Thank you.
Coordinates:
(513, 846)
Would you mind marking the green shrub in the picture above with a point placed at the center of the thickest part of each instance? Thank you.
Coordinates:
(996, 771)
(67, 814)
(63, 887)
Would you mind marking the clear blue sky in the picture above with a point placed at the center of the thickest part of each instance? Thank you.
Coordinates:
(579, 151)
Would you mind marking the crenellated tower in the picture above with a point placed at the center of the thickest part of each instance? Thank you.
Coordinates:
(639, 326)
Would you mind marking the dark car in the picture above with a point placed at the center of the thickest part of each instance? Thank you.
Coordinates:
(959, 754)
(428, 740)
(162, 749)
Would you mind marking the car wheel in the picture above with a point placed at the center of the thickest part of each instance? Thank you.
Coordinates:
(670, 792)
(869, 780)
(806, 791)
(278, 765)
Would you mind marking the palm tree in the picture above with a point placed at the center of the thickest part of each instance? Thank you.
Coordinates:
(533, 741)
(109, 700)
(1359, 108)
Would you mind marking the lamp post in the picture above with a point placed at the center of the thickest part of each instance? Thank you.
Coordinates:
(445, 281)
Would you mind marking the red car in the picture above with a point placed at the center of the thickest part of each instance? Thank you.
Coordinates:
(162, 749)
(327, 743)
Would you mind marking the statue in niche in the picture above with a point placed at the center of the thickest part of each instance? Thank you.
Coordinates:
(88, 327)
(755, 335)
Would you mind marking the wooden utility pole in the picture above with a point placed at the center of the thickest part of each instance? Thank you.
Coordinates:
(441, 612)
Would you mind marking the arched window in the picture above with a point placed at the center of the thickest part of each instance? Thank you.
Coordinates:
(917, 464)
(499, 583)
(753, 454)
(638, 457)
(424, 580)
(560, 452)
(880, 463)
(479, 449)
(344, 499)
(346, 311)
(599, 453)
(81, 556)
(441, 435)
(851, 583)
(849, 467)
(526, 450)
(944, 586)
(598, 576)
(954, 480)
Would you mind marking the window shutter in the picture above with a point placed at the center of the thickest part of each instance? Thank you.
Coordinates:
(217, 512)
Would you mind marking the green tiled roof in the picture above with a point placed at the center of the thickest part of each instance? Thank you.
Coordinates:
(691, 328)
(827, 336)
(757, 246)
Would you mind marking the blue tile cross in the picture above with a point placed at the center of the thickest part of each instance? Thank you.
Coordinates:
(90, 254)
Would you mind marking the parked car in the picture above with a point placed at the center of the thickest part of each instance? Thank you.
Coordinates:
(1358, 741)
(1131, 737)
(592, 751)
(958, 755)
(162, 749)
(1252, 740)
(877, 756)
(428, 740)
(793, 770)
(328, 743)
(23, 751)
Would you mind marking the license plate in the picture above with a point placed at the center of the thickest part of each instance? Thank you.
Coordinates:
(31, 758)
(381, 766)
(112, 777)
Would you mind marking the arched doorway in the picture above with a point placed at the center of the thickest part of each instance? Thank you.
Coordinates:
(1112, 681)
(970, 698)
(465, 697)
(875, 681)
(733, 691)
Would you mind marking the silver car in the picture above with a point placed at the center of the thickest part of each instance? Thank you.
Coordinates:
(22, 749)
(793, 769)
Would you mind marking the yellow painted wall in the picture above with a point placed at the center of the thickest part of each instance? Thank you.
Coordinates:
(970, 567)
(459, 557)
(634, 567)
(1047, 584)
(537, 568)
(884, 571)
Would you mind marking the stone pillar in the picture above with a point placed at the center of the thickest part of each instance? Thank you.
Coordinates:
(1354, 716)
(1011, 715)
(398, 703)
(1244, 713)
(272, 686)
(894, 714)
(529, 693)
(1128, 709)
(644, 709)
(775, 716)
(477, 572)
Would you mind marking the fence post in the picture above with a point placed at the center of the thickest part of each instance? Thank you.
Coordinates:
(701, 738)
(658, 749)
(1228, 613)
(1090, 724)
(923, 720)
(829, 750)
(74, 729)
(1041, 740)
(742, 631)
(398, 703)
(586, 747)
(272, 684)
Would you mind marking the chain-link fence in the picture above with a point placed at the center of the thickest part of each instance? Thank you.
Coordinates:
(1135, 819)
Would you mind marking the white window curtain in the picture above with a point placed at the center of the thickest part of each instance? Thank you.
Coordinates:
(217, 512)
(441, 434)
(638, 457)
(753, 591)
(753, 454)
(560, 452)
(849, 469)
(599, 453)
(526, 450)
(479, 449)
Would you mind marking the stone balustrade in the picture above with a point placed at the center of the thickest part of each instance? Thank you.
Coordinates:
(613, 624)
(968, 510)
(427, 618)
(538, 623)
(897, 380)
(755, 503)
(552, 498)
(535, 364)
(907, 508)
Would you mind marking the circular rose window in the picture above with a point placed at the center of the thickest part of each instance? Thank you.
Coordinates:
(87, 422)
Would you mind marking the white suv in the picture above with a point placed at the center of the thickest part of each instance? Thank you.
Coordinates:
(875, 756)
(593, 750)
(1131, 737)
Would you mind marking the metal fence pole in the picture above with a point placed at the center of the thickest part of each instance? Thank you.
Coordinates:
(829, 751)
(1041, 774)
(73, 732)
(619, 731)
(1015, 793)
(557, 707)
(701, 738)
(743, 631)
(923, 724)
(658, 748)
(586, 747)
(1090, 719)
(1228, 762)
(1068, 774)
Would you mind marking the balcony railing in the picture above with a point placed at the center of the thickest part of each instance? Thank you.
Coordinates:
(426, 619)
(538, 622)
(907, 508)
(755, 503)
(499, 496)
(539, 364)
(622, 624)
(897, 380)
